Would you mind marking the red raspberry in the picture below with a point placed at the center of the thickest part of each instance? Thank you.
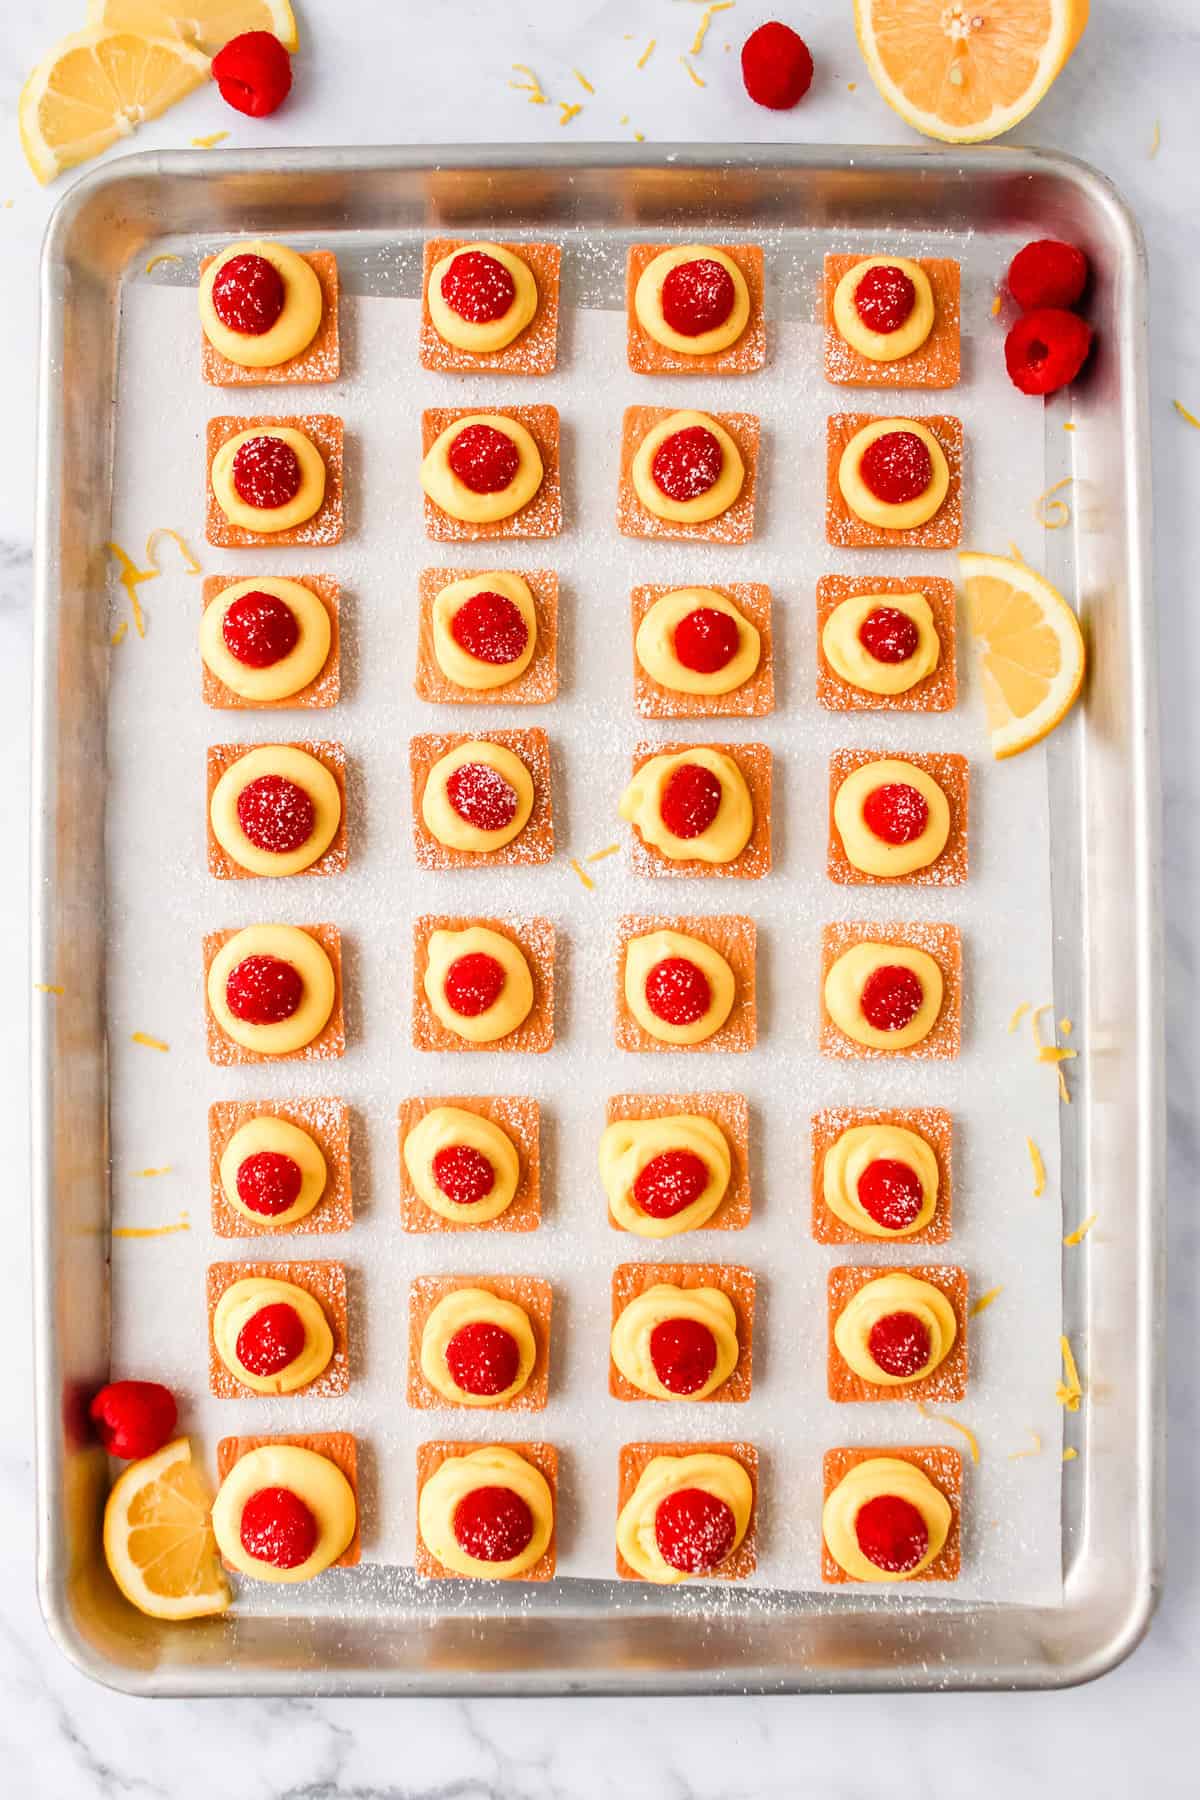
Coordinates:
(1047, 273)
(776, 66)
(254, 73)
(1046, 349)
(133, 1418)
(670, 1181)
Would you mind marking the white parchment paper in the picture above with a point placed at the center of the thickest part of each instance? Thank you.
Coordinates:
(163, 900)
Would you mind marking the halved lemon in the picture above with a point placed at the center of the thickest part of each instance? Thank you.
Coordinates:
(1032, 656)
(208, 24)
(158, 1538)
(964, 70)
(97, 86)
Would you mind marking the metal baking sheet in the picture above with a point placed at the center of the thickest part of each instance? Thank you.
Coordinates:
(375, 208)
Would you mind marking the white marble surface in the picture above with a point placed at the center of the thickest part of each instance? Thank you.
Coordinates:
(366, 75)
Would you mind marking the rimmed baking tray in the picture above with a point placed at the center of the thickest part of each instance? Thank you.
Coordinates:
(583, 1636)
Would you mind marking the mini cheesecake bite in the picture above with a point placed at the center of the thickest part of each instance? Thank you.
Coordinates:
(268, 641)
(703, 651)
(897, 1334)
(280, 1167)
(479, 1341)
(276, 809)
(470, 1162)
(669, 1167)
(269, 314)
(483, 983)
(695, 309)
(686, 984)
(681, 1332)
(688, 474)
(277, 1328)
(893, 481)
(488, 474)
(898, 819)
(274, 991)
(891, 1515)
(481, 800)
(275, 480)
(891, 989)
(287, 1508)
(488, 638)
(700, 809)
(891, 321)
(881, 1175)
(486, 1513)
(490, 306)
(686, 1512)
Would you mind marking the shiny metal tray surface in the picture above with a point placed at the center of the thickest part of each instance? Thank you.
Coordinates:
(585, 1637)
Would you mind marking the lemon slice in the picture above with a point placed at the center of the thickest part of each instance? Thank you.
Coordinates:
(962, 70)
(208, 24)
(158, 1539)
(1032, 654)
(97, 86)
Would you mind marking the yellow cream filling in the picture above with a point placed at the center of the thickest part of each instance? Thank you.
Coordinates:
(721, 1476)
(647, 302)
(720, 842)
(641, 955)
(849, 657)
(891, 1294)
(629, 1144)
(317, 1481)
(293, 765)
(458, 1476)
(655, 643)
(884, 346)
(267, 520)
(888, 515)
(294, 329)
(844, 986)
(291, 945)
(286, 1139)
(851, 1155)
(304, 660)
(514, 1001)
(720, 496)
(456, 498)
(238, 1305)
(867, 1481)
(445, 1127)
(457, 664)
(448, 826)
(491, 334)
(631, 1336)
(872, 854)
(474, 1306)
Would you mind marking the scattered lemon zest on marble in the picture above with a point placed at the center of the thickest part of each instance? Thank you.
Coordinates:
(1018, 1015)
(1045, 504)
(118, 636)
(647, 53)
(567, 110)
(152, 1231)
(532, 87)
(1080, 1232)
(706, 19)
(583, 81)
(582, 874)
(177, 538)
(131, 578)
(165, 1170)
(1069, 1392)
(1155, 141)
(162, 257)
(1068, 425)
(984, 1301)
(608, 850)
(694, 74)
(1035, 1449)
(1069, 1454)
(50, 987)
(150, 1043)
(211, 141)
(1039, 1168)
(996, 305)
(949, 1419)
(1183, 412)
(1056, 1053)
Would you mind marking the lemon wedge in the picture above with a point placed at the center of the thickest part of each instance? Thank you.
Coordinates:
(960, 70)
(1031, 649)
(208, 24)
(158, 1538)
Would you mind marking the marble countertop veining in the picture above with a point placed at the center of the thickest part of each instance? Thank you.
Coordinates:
(64, 1739)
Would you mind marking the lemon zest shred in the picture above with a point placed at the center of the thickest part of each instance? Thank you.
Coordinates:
(1035, 1021)
(583, 81)
(1183, 412)
(1069, 426)
(211, 141)
(131, 578)
(1064, 1091)
(532, 87)
(1046, 504)
(567, 110)
(150, 1043)
(1066, 1026)
(1069, 1391)
(639, 137)
(984, 1301)
(949, 1419)
(151, 1231)
(118, 636)
(647, 53)
(1018, 1015)
(1039, 1168)
(165, 1170)
(624, 119)
(850, 85)
(1155, 141)
(1056, 1053)
(583, 874)
(1080, 1232)
(996, 305)
(162, 257)
(608, 850)
(177, 538)
(1035, 1449)
(1069, 1454)
(1016, 554)
(706, 19)
(50, 987)
(694, 74)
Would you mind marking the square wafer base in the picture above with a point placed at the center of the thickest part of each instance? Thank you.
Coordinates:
(934, 365)
(946, 1383)
(755, 697)
(533, 351)
(951, 773)
(747, 354)
(632, 1463)
(734, 526)
(520, 1120)
(338, 1447)
(933, 1123)
(732, 1113)
(533, 844)
(754, 860)
(535, 686)
(633, 1279)
(222, 757)
(541, 517)
(326, 1282)
(329, 1042)
(845, 529)
(534, 938)
(942, 942)
(325, 687)
(327, 1122)
(543, 1457)
(327, 524)
(944, 1468)
(533, 1296)
(938, 691)
(320, 360)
